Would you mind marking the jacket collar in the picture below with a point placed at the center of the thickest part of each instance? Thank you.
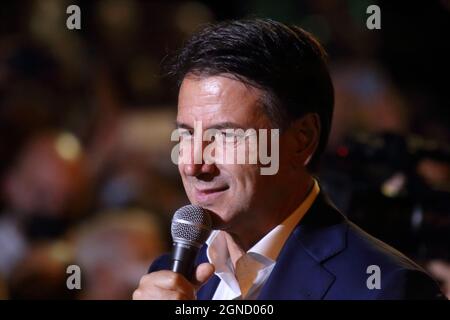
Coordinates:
(299, 273)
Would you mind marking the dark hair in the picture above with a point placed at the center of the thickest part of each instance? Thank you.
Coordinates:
(284, 61)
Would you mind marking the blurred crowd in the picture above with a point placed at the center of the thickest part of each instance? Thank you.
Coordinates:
(86, 116)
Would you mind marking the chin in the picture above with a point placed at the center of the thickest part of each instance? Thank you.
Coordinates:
(220, 219)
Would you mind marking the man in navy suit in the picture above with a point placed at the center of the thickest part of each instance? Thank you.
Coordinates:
(277, 235)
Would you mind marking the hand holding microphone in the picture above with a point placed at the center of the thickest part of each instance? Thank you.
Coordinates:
(191, 226)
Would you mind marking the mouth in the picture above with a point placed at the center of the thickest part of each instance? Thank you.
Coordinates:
(208, 195)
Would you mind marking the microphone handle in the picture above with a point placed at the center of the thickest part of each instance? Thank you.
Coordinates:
(183, 259)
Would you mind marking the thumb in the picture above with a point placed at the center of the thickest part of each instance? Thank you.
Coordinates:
(202, 274)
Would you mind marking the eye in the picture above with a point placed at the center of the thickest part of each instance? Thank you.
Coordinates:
(184, 133)
(232, 136)
(228, 134)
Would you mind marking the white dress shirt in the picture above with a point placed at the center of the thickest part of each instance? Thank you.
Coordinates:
(254, 267)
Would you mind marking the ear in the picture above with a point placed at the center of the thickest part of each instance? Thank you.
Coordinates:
(306, 135)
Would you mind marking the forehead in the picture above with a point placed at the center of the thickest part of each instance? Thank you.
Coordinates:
(217, 99)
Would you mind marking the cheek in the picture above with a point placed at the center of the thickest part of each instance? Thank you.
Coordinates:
(183, 176)
(244, 179)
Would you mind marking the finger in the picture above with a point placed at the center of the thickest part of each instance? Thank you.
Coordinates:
(160, 294)
(203, 273)
(167, 280)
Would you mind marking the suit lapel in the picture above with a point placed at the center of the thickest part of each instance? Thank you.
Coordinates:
(299, 273)
(207, 291)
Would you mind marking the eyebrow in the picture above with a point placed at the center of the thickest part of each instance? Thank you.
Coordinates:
(218, 126)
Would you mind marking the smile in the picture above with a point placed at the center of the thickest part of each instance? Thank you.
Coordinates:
(209, 194)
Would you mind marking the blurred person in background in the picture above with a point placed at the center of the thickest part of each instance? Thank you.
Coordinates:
(44, 191)
(3, 289)
(440, 269)
(41, 274)
(366, 100)
(131, 171)
(436, 174)
(390, 179)
(113, 249)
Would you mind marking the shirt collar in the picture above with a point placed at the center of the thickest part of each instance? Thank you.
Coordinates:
(272, 243)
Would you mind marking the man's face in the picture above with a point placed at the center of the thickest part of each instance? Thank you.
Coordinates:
(236, 193)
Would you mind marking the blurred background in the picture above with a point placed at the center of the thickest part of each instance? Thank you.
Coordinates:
(86, 117)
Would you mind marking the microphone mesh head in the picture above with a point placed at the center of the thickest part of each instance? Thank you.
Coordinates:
(191, 225)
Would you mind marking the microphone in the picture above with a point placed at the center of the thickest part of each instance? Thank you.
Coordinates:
(191, 226)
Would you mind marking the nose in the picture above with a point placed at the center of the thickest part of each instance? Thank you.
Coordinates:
(202, 170)
(197, 167)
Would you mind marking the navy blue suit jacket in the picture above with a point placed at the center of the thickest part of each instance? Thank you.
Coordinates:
(326, 257)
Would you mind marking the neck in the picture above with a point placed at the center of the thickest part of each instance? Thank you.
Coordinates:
(241, 240)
